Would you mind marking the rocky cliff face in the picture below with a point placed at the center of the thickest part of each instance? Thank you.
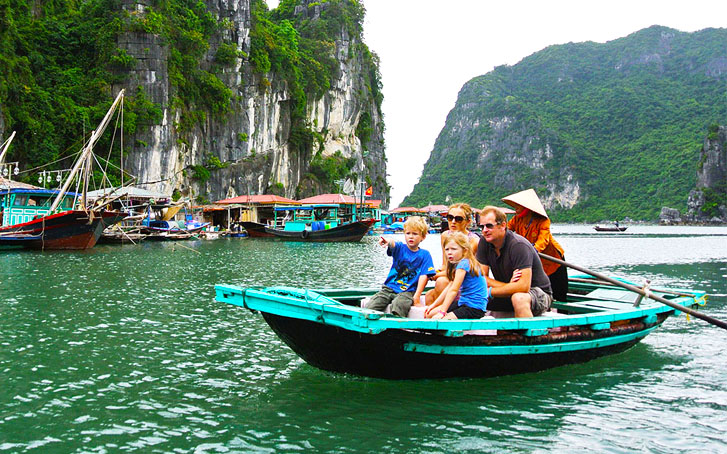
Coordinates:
(250, 144)
(595, 129)
(708, 202)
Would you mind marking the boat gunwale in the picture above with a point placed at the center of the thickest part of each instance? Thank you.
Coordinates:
(326, 310)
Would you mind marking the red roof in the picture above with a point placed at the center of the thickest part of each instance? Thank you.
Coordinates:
(406, 210)
(329, 198)
(259, 198)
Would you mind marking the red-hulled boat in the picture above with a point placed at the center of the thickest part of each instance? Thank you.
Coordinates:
(71, 229)
(39, 218)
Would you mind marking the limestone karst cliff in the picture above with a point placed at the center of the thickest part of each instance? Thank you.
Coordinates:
(224, 97)
(708, 202)
(253, 140)
(599, 130)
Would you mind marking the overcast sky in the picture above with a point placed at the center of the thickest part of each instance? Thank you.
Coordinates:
(429, 49)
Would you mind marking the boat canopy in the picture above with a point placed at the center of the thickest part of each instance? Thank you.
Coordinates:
(307, 207)
(34, 191)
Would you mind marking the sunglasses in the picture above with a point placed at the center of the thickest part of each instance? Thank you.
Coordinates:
(489, 226)
(455, 218)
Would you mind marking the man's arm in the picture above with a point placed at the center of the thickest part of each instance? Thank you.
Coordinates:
(522, 285)
(491, 282)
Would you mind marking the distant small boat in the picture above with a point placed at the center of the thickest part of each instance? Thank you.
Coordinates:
(330, 330)
(350, 232)
(609, 228)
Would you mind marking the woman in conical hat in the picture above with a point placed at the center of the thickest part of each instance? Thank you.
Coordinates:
(532, 222)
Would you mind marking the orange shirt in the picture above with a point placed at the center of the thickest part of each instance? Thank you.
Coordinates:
(536, 229)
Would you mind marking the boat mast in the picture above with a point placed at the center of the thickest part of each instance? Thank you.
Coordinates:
(4, 147)
(87, 151)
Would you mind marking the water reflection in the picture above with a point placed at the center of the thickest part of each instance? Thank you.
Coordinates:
(124, 348)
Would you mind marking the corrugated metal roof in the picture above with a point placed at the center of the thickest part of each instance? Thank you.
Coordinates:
(329, 198)
(129, 191)
(407, 210)
(5, 184)
(257, 198)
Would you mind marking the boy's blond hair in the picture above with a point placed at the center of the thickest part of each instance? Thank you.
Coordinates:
(418, 224)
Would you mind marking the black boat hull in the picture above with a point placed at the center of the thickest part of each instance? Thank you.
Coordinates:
(351, 232)
(384, 355)
(610, 229)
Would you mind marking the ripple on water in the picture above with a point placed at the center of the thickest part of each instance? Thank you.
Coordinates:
(125, 349)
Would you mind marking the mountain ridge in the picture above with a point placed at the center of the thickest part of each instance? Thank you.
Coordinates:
(599, 130)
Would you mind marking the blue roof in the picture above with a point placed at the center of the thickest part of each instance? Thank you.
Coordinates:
(48, 192)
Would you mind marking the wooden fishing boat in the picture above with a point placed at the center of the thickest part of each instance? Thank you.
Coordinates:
(165, 227)
(352, 231)
(28, 221)
(609, 228)
(38, 218)
(330, 330)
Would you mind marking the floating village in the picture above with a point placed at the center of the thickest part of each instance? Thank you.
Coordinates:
(598, 315)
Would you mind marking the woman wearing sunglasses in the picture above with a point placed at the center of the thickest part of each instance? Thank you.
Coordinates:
(459, 217)
(531, 221)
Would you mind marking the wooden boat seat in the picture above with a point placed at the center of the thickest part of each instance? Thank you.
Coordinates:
(586, 306)
(601, 299)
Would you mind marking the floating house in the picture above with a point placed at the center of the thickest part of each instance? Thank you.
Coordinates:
(259, 208)
(347, 208)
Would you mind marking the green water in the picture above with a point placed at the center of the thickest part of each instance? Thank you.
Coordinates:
(123, 349)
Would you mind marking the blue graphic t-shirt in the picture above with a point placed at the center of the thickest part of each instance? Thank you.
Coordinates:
(473, 291)
(407, 267)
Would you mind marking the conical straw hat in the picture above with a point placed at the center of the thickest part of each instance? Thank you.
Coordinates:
(528, 199)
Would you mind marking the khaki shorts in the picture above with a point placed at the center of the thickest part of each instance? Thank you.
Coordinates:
(539, 301)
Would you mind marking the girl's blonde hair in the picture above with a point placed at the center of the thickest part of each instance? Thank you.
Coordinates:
(462, 241)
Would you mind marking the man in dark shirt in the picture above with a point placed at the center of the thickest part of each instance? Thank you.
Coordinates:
(519, 283)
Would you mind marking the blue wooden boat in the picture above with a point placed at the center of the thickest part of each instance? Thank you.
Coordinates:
(330, 330)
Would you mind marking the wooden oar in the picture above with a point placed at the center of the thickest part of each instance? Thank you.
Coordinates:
(635, 289)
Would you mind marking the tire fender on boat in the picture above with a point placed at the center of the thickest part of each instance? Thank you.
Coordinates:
(304, 234)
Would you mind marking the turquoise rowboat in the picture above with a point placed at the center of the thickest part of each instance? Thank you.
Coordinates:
(330, 330)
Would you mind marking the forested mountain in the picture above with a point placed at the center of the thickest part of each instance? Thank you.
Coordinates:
(601, 131)
(223, 97)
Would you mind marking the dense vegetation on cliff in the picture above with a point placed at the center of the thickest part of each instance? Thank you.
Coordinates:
(60, 61)
(55, 73)
(616, 126)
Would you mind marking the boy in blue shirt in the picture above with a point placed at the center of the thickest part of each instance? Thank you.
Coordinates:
(409, 273)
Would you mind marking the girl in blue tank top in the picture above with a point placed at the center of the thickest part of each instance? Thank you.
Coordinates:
(466, 279)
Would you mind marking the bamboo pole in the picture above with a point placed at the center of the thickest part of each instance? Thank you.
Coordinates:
(635, 289)
(87, 151)
(5, 146)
